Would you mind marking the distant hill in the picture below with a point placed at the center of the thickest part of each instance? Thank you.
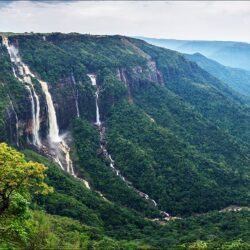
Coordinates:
(237, 79)
(233, 54)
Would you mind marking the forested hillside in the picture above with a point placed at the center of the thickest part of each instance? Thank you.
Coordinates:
(237, 79)
(143, 147)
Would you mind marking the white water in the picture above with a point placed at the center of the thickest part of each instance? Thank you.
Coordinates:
(118, 173)
(16, 122)
(103, 146)
(92, 78)
(59, 148)
(98, 122)
(53, 127)
(75, 95)
(16, 119)
(57, 142)
(24, 72)
(35, 110)
(93, 82)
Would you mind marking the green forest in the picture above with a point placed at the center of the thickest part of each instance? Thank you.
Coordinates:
(175, 133)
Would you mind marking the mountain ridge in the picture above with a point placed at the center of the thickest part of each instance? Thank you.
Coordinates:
(237, 79)
(221, 51)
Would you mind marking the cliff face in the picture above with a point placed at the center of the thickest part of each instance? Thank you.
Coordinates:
(68, 80)
(65, 60)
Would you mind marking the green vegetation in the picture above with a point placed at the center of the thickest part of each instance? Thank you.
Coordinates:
(174, 131)
(18, 179)
(10, 90)
(71, 198)
(103, 179)
(174, 173)
(215, 230)
(22, 228)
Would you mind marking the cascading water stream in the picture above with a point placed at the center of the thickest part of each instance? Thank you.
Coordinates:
(98, 122)
(16, 121)
(59, 148)
(57, 143)
(16, 118)
(93, 82)
(53, 127)
(103, 144)
(23, 71)
(75, 91)
(35, 117)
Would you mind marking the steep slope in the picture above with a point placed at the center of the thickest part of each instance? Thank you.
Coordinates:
(233, 54)
(209, 96)
(161, 124)
(237, 79)
(72, 199)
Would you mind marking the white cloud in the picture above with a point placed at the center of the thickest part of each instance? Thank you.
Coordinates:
(183, 20)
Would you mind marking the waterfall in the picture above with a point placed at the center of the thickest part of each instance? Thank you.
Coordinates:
(32, 109)
(76, 96)
(98, 122)
(60, 149)
(92, 78)
(53, 127)
(103, 144)
(118, 173)
(23, 74)
(55, 140)
(16, 118)
(16, 121)
(93, 82)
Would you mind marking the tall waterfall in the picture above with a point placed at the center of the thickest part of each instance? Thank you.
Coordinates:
(16, 121)
(59, 149)
(55, 140)
(98, 122)
(108, 156)
(23, 74)
(57, 143)
(76, 96)
(93, 82)
(53, 127)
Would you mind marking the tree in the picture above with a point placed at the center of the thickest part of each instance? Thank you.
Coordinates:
(19, 176)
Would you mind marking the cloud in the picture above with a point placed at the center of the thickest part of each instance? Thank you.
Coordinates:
(183, 20)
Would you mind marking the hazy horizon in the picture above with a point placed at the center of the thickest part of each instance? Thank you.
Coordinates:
(203, 20)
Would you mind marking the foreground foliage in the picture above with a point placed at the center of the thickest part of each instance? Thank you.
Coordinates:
(18, 180)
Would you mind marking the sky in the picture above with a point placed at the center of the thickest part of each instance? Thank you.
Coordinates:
(201, 20)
